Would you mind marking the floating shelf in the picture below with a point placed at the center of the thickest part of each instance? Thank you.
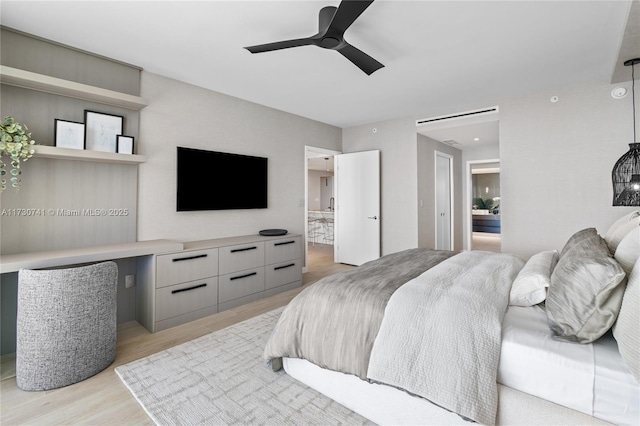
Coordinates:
(44, 151)
(71, 89)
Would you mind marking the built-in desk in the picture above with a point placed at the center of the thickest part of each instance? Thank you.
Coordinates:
(127, 255)
(57, 258)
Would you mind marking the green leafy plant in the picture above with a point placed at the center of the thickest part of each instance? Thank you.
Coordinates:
(478, 203)
(16, 143)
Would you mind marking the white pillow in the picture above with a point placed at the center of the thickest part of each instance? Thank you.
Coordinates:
(628, 250)
(625, 330)
(530, 286)
(620, 229)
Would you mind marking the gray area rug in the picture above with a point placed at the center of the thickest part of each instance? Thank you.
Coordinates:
(221, 379)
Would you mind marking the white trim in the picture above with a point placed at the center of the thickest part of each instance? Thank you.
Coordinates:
(451, 196)
(311, 152)
(469, 195)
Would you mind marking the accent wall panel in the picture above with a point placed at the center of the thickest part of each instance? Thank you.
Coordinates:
(69, 204)
(66, 203)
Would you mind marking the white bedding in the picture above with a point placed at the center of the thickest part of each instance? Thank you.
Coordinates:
(440, 335)
(591, 379)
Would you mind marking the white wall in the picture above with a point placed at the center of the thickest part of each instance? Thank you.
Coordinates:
(315, 189)
(396, 139)
(180, 114)
(485, 152)
(556, 163)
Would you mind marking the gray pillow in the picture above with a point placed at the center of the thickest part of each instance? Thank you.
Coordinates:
(576, 238)
(586, 292)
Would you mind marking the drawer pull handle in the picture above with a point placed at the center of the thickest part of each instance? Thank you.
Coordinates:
(243, 276)
(180, 259)
(188, 288)
(283, 243)
(243, 249)
(284, 266)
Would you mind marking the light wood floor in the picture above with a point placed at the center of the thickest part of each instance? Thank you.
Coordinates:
(103, 399)
(486, 241)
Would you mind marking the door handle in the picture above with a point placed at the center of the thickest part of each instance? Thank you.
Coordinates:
(373, 217)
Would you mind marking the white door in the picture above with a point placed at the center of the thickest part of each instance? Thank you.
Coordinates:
(444, 230)
(357, 214)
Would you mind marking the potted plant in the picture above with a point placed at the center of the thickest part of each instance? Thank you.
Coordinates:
(16, 144)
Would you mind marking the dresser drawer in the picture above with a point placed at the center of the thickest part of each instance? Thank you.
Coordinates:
(241, 257)
(186, 266)
(278, 274)
(283, 249)
(239, 284)
(182, 298)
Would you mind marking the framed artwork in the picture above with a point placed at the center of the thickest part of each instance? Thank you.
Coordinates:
(124, 144)
(101, 130)
(68, 134)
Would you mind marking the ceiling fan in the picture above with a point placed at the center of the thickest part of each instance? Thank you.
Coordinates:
(333, 22)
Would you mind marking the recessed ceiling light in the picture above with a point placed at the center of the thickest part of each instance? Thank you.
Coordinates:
(476, 139)
(618, 93)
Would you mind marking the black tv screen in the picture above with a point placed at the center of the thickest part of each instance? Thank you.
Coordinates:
(210, 180)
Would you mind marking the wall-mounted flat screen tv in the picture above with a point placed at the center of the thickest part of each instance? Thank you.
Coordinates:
(210, 180)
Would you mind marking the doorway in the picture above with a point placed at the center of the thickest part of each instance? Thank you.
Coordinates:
(476, 134)
(319, 207)
(483, 216)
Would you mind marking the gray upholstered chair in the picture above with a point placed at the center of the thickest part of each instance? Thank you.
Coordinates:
(66, 328)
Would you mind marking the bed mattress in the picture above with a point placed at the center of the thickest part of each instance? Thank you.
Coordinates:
(591, 379)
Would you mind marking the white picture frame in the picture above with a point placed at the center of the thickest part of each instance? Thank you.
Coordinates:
(101, 131)
(124, 144)
(68, 134)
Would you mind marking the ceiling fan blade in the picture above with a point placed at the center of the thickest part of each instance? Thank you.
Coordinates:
(360, 59)
(279, 45)
(347, 13)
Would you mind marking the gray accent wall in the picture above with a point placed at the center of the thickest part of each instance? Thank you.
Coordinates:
(180, 114)
(38, 109)
(56, 185)
(64, 185)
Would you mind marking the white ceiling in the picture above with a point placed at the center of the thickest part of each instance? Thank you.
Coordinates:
(466, 135)
(323, 164)
(436, 53)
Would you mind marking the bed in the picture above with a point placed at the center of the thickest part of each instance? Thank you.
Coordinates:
(438, 337)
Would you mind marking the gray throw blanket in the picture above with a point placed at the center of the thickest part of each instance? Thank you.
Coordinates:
(334, 322)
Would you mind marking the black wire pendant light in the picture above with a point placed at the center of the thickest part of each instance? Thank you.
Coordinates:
(626, 172)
